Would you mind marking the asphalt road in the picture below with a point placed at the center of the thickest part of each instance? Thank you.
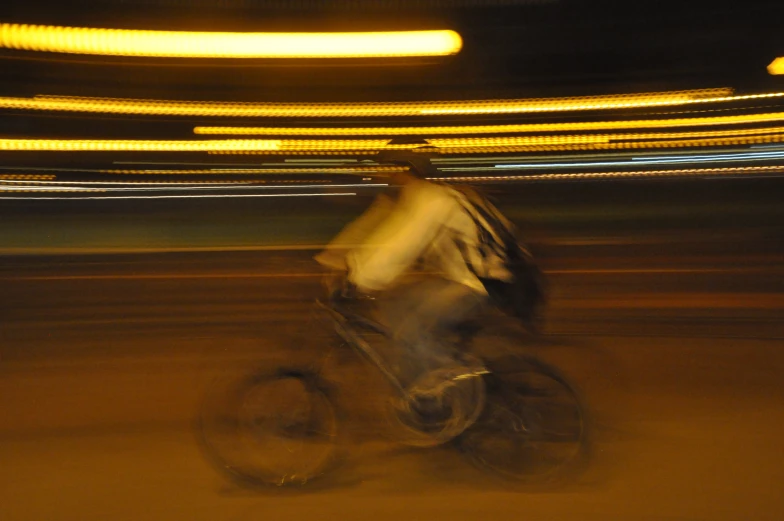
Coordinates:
(104, 358)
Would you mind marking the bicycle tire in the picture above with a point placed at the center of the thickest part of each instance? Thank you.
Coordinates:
(233, 428)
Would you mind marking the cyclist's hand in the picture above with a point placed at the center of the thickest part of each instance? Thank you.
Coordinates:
(338, 286)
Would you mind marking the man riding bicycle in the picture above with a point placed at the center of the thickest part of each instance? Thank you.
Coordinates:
(427, 225)
(466, 256)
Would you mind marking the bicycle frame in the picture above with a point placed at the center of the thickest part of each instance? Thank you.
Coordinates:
(342, 322)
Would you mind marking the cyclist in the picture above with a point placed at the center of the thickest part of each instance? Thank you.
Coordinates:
(425, 225)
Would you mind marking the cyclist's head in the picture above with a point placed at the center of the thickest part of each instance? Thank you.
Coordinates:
(418, 163)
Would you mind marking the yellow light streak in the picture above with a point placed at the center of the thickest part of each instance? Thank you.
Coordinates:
(199, 196)
(602, 175)
(617, 102)
(114, 186)
(13, 181)
(344, 152)
(741, 140)
(498, 146)
(517, 140)
(422, 108)
(253, 171)
(607, 146)
(379, 144)
(46, 190)
(4, 177)
(186, 44)
(336, 144)
(492, 129)
(529, 141)
(776, 66)
(619, 141)
(371, 146)
(700, 134)
(106, 145)
(606, 138)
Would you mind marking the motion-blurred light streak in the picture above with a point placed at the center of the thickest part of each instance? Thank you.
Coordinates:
(5, 177)
(110, 145)
(515, 144)
(610, 104)
(694, 172)
(701, 157)
(685, 158)
(263, 171)
(199, 196)
(420, 108)
(187, 44)
(210, 171)
(365, 146)
(31, 189)
(550, 158)
(126, 183)
(111, 186)
(506, 129)
(461, 145)
(58, 187)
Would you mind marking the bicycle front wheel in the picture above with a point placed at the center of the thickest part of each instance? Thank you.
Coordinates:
(271, 429)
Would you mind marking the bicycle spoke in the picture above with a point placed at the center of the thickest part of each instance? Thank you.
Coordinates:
(283, 431)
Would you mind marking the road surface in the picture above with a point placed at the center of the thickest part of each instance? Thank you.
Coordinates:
(105, 357)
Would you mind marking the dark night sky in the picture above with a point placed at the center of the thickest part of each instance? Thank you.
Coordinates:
(521, 49)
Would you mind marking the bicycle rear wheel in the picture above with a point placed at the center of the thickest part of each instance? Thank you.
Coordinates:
(271, 429)
(534, 427)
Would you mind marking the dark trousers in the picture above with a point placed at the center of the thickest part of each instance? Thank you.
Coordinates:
(422, 315)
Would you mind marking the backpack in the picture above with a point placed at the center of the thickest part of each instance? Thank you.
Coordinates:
(519, 289)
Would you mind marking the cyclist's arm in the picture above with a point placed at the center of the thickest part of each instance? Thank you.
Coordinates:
(355, 233)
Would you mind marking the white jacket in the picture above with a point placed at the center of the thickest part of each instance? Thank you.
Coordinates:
(425, 223)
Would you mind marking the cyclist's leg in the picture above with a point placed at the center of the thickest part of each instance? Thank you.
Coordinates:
(421, 316)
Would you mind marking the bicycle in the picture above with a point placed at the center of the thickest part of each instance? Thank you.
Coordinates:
(516, 417)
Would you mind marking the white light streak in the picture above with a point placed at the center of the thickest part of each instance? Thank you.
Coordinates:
(713, 158)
